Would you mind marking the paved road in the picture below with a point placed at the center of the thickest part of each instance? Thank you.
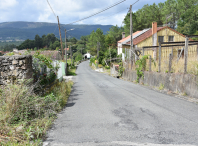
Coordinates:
(106, 111)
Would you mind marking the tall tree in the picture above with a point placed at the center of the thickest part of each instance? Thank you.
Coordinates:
(38, 41)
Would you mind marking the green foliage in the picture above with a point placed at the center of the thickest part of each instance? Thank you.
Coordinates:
(161, 87)
(178, 14)
(141, 66)
(10, 54)
(47, 61)
(92, 60)
(107, 67)
(120, 69)
(77, 56)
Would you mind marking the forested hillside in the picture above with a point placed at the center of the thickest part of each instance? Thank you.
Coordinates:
(28, 30)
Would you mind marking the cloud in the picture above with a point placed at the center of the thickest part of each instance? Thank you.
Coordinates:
(67, 10)
(7, 4)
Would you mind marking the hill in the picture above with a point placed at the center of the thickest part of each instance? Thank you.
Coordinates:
(27, 30)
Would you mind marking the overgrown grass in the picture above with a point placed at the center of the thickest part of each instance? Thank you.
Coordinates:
(26, 116)
(71, 72)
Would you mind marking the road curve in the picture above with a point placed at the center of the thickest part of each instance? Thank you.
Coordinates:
(106, 111)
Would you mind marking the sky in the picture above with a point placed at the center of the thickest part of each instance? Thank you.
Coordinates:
(68, 10)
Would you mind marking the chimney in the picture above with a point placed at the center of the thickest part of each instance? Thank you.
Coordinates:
(123, 35)
(154, 27)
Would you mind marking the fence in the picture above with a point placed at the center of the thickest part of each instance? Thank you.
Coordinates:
(174, 57)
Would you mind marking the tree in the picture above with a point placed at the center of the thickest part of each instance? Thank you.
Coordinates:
(38, 41)
(113, 36)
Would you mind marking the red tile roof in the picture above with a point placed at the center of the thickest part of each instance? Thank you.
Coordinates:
(126, 38)
(67, 49)
(144, 36)
(148, 34)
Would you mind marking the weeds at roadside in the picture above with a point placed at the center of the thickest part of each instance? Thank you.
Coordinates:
(161, 86)
(26, 116)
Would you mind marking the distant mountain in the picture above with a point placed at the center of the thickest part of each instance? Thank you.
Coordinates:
(28, 30)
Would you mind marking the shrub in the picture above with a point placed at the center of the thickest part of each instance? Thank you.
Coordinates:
(107, 67)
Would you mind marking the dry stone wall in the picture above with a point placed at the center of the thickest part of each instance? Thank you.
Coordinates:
(15, 67)
(176, 82)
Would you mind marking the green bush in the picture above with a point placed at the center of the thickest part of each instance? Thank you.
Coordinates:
(107, 67)
(92, 60)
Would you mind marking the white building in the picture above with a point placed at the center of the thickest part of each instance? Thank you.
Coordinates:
(87, 56)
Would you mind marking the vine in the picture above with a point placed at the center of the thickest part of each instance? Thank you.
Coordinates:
(141, 63)
(121, 69)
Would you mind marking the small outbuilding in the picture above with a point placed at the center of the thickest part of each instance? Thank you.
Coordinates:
(87, 56)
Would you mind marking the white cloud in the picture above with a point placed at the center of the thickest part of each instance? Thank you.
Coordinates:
(6, 4)
(67, 10)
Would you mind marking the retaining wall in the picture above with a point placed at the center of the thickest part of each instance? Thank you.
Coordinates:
(175, 82)
(15, 67)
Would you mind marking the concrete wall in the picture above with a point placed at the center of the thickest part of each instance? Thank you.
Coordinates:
(176, 82)
(15, 67)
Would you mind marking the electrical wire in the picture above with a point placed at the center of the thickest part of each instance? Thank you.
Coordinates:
(111, 15)
(51, 9)
(97, 12)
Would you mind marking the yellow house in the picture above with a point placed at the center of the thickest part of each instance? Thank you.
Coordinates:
(152, 37)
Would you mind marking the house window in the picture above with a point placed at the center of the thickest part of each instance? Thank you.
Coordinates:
(171, 38)
(160, 38)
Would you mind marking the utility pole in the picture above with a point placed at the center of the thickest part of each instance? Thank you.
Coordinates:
(98, 49)
(65, 53)
(71, 53)
(131, 33)
(110, 56)
(60, 38)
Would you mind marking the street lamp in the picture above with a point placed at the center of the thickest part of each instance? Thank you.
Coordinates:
(66, 51)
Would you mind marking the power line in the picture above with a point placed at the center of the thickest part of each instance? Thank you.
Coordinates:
(112, 15)
(51, 9)
(98, 12)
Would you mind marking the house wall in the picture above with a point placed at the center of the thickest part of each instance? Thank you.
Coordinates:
(166, 51)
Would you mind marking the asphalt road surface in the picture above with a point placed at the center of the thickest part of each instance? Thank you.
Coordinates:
(106, 111)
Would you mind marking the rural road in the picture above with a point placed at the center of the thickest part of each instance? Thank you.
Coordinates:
(106, 111)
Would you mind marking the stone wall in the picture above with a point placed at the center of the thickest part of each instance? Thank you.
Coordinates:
(15, 67)
(175, 82)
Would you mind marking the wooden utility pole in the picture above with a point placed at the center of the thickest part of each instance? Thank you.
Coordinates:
(98, 49)
(186, 55)
(65, 53)
(160, 51)
(131, 33)
(71, 53)
(110, 55)
(60, 38)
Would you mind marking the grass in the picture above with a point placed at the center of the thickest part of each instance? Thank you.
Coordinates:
(25, 116)
(72, 72)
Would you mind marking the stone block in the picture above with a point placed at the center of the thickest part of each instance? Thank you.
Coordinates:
(15, 62)
(20, 62)
(15, 73)
(5, 64)
(12, 67)
(4, 61)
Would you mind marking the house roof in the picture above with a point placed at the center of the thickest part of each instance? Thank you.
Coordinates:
(67, 49)
(148, 34)
(128, 38)
(144, 36)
